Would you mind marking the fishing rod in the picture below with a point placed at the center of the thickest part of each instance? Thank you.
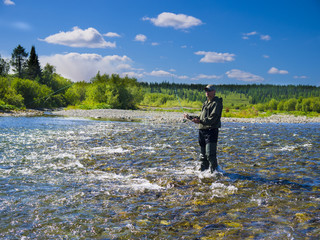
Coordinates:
(49, 95)
(176, 93)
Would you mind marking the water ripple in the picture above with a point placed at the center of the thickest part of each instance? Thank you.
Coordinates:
(81, 179)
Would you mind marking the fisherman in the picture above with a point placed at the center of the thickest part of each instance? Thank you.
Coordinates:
(209, 123)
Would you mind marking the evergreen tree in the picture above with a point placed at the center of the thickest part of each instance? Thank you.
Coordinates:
(33, 66)
(4, 67)
(19, 60)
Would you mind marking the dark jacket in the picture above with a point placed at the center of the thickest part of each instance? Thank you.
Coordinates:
(210, 116)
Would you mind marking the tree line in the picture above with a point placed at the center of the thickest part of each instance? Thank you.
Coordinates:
(303, 98)
(30, 86)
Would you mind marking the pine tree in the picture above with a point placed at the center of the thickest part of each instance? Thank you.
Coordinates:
(18, 60)
(33, 68)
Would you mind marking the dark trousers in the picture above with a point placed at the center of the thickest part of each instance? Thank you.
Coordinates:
(208, 139)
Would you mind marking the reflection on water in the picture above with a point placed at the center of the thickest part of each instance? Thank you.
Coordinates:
(81, 179)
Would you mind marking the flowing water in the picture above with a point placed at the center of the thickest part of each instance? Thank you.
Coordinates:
(64, 178)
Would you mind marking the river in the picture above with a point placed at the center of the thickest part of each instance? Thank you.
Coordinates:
(73, 178)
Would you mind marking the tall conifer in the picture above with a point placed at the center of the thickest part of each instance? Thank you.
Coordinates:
(34, 69)
(4, 67)
(18, 60)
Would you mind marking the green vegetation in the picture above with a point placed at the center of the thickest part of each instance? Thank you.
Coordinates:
(104, 91)
(32, 87)
(238, 100)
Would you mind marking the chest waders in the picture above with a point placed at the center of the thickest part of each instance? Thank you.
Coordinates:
(208, 143)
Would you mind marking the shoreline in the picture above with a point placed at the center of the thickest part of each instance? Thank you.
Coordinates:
(152, 116)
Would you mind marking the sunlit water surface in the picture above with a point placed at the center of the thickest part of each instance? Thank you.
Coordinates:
(63, 178)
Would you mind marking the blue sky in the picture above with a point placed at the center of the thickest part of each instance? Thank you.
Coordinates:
(185, 41)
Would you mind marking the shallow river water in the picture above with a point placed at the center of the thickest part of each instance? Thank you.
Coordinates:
(67, 178)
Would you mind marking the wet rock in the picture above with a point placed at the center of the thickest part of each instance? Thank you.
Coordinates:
(215, 226)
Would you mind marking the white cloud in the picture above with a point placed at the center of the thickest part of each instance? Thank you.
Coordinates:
(155, 44)
(262, 37)
(246, 35)
(89, 38)
(265, 56)
(177, 21)
(244, 76)
(182, 77)
(274, 70)
(8, 2)
(265, 37)
(160, 73)
(300, 77)
(214, 57)
(140, 38)
(111, 34)
(79, 67)
(204, 76)
(132, 74)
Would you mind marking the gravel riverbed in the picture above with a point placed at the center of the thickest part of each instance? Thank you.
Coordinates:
(154, 116)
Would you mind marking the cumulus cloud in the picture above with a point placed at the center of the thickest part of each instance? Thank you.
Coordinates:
(274, 70)
(8, 2)
(214, 57)
(204, 76)
(89, 38)
(111, 34)
(177, 21)
(140, 38)
(244, 76)
(79, 67)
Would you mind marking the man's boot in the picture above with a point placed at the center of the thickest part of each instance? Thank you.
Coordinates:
(211, 154)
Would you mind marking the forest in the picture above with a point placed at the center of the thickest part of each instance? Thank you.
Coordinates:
(29, 86)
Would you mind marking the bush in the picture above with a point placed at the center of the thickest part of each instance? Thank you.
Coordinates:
(34, 94)
(290, 105)
(12, 98)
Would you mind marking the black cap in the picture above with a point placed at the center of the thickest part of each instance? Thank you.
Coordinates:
(209, 88)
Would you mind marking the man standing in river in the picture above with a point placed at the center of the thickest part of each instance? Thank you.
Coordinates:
(209, 123)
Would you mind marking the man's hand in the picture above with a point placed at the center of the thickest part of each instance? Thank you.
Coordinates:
(193, 119)
(187, 116)
(196, 120)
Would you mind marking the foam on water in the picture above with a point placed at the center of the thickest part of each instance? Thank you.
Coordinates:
(222, 190)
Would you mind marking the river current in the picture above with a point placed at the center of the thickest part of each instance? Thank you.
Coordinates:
(68, 178)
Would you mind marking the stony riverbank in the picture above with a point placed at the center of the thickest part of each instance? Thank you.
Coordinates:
(153, 116)
(172, 117)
